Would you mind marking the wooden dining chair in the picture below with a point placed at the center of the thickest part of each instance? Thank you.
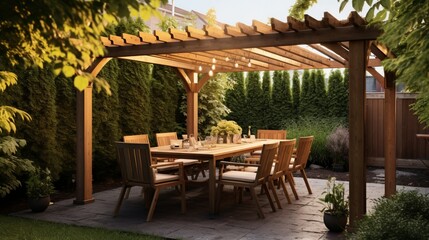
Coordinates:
(139, 138)
(271, 134)
(280, 168)
(163, 139)
(250, 180)
(137, 169)
(299, 161)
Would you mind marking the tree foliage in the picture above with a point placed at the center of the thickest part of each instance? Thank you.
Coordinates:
(319, 93)
(63, 34)
(281, 108)
(296, 93)
(266, 98)
(254, 105)
(235, 99)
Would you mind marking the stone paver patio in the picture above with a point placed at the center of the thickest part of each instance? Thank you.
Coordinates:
(299, 220)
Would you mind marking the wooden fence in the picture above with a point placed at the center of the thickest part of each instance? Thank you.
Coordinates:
(411, 151)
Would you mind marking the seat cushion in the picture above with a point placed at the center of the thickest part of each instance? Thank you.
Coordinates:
(160, 177)
(186, 161)
(239, 176)
(251, 169)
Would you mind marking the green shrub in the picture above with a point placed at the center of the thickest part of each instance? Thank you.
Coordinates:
(403, 216)
(320, 128)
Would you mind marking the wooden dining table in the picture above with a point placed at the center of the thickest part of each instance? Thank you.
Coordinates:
(211, 154)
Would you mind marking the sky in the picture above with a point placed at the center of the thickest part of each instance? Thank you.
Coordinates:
(244, 11)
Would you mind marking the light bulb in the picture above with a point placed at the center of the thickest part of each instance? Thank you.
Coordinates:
(227, 59)
(200, 68)
(249, 64)
(214, 60)
(213, 67)
(236, 65)
(211, 73)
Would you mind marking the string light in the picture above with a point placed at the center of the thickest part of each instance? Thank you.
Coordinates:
(227, 59)
(214, 60)
(213, 67)
(236, 65)
(211, 73)
(200, 68)
(249, 64)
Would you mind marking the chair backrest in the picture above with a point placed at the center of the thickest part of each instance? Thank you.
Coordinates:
(140, 138)
(135, 162)
(266, 162)
(163, 139)
(303, 151)
(271, 134)
(284, 154)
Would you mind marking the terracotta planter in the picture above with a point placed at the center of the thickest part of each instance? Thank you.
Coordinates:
(335, 223)
(39, 204)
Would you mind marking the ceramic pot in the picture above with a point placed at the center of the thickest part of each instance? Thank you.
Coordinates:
(335, 223)
(39, 204)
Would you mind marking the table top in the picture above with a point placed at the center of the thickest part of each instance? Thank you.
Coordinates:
(220, 151)
(422, 135)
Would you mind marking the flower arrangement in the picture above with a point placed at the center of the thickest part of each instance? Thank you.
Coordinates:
(334, 201)
(226, 128)
(39, 184)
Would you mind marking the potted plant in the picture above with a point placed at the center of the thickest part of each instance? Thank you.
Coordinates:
(338, 145)
(39, 189)
(226, 129)
(336, 210)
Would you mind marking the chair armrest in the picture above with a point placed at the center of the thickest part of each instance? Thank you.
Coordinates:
(239, 164)
(178, 164)
(252, 159)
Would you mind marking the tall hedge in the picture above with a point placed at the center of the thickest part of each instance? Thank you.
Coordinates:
(305, 106)
(254, 104)
(66, 128)
(296, 92)
(320, 98)
(281, 99)
(39, 100)
(165, 99)
(105, 124)
(235, 99)
(335, 94)
(266, 122)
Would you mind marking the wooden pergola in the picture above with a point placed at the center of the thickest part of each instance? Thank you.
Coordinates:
(308, 44)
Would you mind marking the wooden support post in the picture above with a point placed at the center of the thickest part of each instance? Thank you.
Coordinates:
(357, 158)
(84, 137)
(390, 134)
(192, 105)
(84, 147)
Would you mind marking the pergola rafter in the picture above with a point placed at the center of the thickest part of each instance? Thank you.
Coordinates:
(291, 45)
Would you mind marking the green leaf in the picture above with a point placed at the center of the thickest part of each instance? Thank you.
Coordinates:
(385, 3)
(358, 5)
(81, 82)
(343, 4)
(370, 14)
(68, 71)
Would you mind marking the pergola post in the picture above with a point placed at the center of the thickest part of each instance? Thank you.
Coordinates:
(390, 134)
(84, 137)
(84, 147)
(190, 81)
(357, 158)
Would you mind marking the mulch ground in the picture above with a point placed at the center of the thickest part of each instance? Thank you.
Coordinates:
(405, 177)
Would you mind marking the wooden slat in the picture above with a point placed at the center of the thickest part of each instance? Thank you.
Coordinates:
(356, 19)
(331, 55)
(307, 54)
(107, 42)
(215, 32)
(132, 39)
(196, 33)
(279, 26)
(331, 21)
(161, 61)
(274, 56)
(296, 25)
(247, 29)
(164, 36)
(338, 49)
(313, 23)
(179, 35)
(376, 75)
(262, 27)
(304, 62)
(148, 37)
(119, 41)
(233, 31)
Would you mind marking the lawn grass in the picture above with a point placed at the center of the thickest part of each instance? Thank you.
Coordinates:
(22, 228)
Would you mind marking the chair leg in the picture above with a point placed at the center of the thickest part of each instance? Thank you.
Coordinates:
(267, 192)
(153, 205)
(120, 199)
(258, 207)
(273, 189)
(304, 175)
(292, 185)
(218, 196)
(127, 193)
(183, 196)
(282, 183)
